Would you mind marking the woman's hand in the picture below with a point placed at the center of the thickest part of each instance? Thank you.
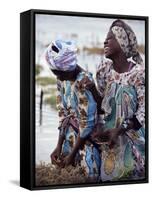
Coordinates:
(109, 136)
(98, 134)
(86, 83)
(55, 155)
(69, 160)
(112, 135)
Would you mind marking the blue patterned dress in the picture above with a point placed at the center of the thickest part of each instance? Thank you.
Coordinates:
(123, 98)
(74, 100)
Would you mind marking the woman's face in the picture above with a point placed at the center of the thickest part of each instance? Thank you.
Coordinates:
(111, 46)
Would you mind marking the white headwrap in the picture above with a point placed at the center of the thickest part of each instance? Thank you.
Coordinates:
(127, 41)
(64, 58)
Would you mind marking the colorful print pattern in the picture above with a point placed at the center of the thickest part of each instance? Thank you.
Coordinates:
(73, 99)
(123, 96)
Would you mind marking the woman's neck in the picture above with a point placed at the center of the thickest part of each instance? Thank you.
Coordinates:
(75, 73)
(120, 63)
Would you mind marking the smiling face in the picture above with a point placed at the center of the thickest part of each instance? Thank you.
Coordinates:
(111, 46)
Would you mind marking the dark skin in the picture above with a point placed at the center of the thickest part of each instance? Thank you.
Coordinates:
(56, 154)
(114, 52)
(110, 135)
(71, 75)
(70, 158)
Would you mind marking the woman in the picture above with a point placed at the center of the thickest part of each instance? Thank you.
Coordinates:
(77, 110)
(121, 84)
(120, 80)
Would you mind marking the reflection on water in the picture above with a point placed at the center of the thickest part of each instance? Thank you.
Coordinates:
(47, 133)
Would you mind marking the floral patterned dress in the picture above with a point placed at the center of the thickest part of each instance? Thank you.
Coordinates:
(77, 102)
(123, 98)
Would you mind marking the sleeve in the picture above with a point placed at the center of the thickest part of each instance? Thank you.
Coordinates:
(140, 89)
(62, 113)
(87, 112)
(100, 77)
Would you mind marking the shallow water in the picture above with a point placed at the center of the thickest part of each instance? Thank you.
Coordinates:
(47, 133)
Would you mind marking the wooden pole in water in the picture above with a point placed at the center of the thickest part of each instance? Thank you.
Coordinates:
(41, 106)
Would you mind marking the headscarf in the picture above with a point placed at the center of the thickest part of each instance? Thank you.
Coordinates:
(62, 55)
(126, 39)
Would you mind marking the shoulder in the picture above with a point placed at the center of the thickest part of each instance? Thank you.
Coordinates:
(104, 67)
(137, 76)
(83, 75)
(84, 80)
(59, 85)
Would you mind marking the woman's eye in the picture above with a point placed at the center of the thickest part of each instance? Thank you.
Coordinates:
(54, 48)
(110, 38)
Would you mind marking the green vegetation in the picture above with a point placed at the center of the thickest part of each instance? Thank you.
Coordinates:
(51, 100)
(44, 81)
(93, 50)
(99, 51)
(38, 69)
(50, 91)
(141, 48)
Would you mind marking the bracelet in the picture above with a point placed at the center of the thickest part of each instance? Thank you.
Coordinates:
(125, 124)
(101, 119)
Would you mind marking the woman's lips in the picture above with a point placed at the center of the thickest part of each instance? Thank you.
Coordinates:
(106, 49)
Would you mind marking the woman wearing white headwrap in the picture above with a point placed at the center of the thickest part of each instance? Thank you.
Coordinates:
(121, 85)
(77, 110)
(120, 80)
(62, 55)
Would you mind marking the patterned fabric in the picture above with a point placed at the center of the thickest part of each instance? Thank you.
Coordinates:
(75, 101)
(122, 38)
(127, 41)
(61, 55)
(123, 97)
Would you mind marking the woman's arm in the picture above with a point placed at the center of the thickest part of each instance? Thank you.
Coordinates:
(55, 155)
(87, 109)
(140, 89)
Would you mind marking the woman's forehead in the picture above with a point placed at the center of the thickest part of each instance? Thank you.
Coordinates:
(110, 34)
